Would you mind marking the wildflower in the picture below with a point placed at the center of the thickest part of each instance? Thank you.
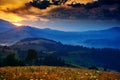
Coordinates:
(94, 76)
(86, 74)
(46, 73)
(98, 71)
(70, 78)
(82, 77)
(78, 72)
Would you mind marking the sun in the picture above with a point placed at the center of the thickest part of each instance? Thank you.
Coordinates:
(18, 24)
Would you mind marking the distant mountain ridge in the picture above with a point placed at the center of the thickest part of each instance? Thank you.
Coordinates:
(108, 38)
(5, 26)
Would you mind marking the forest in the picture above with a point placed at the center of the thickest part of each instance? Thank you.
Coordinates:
(62, 55)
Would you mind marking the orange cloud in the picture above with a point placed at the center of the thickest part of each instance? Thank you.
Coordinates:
(80, 1)
(10, 17)
(15, 11)
(12, 4)
(6, 5)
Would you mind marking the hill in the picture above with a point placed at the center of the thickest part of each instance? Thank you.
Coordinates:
(38, 44)
(15, 35)
(5, 26)
(74, 55)
(107, 38)
(54, 73)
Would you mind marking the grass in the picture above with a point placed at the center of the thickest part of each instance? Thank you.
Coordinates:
(54, 73)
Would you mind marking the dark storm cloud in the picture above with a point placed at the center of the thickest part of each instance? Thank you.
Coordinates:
(102, 9)
(101, 12)
(109, 1)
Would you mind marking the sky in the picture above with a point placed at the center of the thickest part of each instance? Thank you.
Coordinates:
(14, 9)
(61, 17)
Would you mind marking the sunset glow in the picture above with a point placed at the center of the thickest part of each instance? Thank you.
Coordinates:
(17, 24)
(80, 1)
(10, 17)
(13, 13)
(18, 13)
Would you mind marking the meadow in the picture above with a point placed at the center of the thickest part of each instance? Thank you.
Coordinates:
(54, 73)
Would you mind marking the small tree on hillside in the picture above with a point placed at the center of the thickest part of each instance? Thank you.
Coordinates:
(31, 56)
(12, 60)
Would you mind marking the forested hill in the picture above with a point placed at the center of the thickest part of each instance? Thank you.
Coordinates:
(76, 56)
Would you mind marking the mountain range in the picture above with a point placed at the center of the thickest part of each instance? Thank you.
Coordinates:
(107, 38)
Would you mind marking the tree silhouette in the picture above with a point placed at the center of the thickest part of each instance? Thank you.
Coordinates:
(11, 60)
(31, 57)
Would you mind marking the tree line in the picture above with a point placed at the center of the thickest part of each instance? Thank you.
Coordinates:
(32, 58)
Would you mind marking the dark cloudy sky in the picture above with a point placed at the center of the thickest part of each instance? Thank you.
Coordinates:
(61, 17)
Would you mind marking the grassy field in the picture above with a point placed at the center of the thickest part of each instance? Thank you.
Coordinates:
(54, 73)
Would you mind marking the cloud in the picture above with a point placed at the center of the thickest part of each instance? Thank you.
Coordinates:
(109, 1)
(80, 1)
(12, 4)
(19, 12)
(90, 11)
(10, 17)
(8, 5)
(44, 20)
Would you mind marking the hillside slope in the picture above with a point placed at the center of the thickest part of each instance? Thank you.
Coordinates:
(5, 26)
(77, 55)
(38, 44)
